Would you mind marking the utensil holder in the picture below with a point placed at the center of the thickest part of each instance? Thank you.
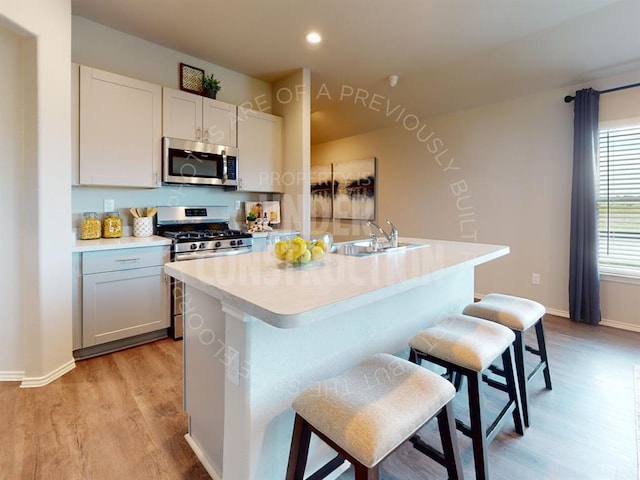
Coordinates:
(143, 227)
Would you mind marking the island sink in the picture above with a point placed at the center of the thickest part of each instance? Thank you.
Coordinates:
(365, 248)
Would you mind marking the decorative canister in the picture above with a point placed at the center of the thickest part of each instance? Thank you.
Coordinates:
(143, 227)
(90, 226)
(112, 225)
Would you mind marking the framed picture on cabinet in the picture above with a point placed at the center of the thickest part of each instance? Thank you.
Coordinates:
(191, 78)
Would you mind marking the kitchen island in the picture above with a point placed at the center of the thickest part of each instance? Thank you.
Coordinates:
(257, 333)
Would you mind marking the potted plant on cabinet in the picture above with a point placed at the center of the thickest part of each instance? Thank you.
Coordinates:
(251, 218)
(211, 86)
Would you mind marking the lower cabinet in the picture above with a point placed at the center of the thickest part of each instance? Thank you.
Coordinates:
(124, 293)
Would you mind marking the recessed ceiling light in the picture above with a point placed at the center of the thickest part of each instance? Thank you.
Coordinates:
(313, 37)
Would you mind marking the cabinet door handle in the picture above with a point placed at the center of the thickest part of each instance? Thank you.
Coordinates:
(130, 259)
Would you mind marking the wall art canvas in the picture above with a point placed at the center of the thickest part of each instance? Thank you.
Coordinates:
(354, 191)
(321, 191)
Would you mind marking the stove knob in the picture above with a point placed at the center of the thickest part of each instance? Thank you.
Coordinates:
(233, 243)
(218, 244)
(240, 242)
(193, 246)
(202, 246)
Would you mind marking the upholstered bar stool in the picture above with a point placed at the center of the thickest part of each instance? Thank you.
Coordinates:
(368, 411)
(519, 314)
(468, 346)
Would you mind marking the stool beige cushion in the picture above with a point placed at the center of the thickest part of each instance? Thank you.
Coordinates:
(466, 341)
(372, 408)
(513, 312)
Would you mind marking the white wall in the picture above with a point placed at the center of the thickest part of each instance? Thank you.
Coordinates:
(102, 47)
(42, 342)
(292, 101)
(11, 190)
(498, 174)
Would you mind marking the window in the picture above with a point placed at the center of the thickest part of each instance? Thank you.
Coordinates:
(619, 201)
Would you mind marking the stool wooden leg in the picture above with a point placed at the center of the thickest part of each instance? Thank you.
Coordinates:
(299, 449)
(413, 357)
(519, 352)
(478, 425)
(542, 347)
(447, 428)
(512, 388)
(365, 473)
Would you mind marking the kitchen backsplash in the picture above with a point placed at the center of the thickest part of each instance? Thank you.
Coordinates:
(91, 199)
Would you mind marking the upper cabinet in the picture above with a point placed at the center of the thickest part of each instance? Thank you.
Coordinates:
(120, 130)
(192, 117)
(75, 124)
(259, 151)
(121, 122)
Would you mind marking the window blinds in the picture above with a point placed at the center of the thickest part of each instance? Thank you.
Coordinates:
(619, 199)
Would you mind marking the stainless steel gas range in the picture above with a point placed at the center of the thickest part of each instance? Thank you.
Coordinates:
(197, 232)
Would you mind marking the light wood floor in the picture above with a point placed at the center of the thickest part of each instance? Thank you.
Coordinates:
(120, 416)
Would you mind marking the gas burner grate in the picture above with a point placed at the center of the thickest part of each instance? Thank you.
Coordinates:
(205, 234)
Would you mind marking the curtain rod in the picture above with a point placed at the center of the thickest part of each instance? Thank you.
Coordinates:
(569, 98)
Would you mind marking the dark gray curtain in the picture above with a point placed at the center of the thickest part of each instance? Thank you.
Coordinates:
(584, 277)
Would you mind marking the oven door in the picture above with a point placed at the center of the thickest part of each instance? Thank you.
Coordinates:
(198, 163)
(179, 303)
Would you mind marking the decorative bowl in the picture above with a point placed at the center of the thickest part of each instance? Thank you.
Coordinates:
(296, 251)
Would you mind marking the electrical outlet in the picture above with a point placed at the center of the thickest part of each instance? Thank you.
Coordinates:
(109, 205)
(535, 278)
(237, 204)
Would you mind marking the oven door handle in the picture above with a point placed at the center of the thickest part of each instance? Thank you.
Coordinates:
(195, 255)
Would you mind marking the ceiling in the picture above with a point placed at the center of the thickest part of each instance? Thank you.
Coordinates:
(448, 54)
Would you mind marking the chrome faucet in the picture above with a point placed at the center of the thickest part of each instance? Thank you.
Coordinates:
(391, 237)
(394, 235)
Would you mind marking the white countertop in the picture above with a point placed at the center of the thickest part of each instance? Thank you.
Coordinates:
(115, 243)
(289, 297)
(275, 231)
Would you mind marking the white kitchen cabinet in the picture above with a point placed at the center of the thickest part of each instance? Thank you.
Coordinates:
(76, 302)
(259, 151)
(75, 124)
(120, 130)
(124, 293)
(192, 117)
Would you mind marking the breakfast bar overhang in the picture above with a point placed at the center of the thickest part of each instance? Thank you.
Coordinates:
(257, 333)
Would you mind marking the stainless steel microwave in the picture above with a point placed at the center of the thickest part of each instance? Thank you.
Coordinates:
(198, 163)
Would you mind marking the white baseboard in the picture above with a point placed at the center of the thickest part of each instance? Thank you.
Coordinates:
(208, 466)
(30, 382)
(11, 376)
(557, 313)
(216, 476)
(621, 325)
(604, 322)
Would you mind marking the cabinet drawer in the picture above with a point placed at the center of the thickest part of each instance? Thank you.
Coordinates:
(123, 259)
